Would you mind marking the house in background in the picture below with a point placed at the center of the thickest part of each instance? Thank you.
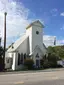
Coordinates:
(29, 45)
(49, 40)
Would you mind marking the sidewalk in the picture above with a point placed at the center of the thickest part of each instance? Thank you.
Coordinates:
(32, 71)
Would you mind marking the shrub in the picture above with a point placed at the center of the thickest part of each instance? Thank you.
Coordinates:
(41, 62)
(59, 66)
(53, 64)
(1, 63)
(29, 63)
(46, 64)
(52, 59)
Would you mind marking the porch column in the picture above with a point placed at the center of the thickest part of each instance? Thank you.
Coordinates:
(14, 65)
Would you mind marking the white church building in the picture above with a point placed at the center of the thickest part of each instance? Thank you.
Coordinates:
(29, 45)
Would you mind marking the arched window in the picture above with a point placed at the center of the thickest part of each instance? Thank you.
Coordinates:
(21, 58)
(18, 58)
(27, 56)
(24, 56)
(44, 56)
(37, 56)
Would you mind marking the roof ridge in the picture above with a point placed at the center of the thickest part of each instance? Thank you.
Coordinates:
(33, 23)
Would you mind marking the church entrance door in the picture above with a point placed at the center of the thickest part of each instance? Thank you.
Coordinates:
(38, 63)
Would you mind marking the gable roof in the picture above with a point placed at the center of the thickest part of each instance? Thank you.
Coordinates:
(37, 21)
(37, 47)
(17, 43)
(44, 46)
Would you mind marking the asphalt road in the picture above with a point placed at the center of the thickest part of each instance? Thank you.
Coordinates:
(36, 78)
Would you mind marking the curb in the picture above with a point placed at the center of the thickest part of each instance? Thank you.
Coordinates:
(17, 72)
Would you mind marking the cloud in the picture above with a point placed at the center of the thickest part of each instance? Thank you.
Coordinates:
(54, 12)
(17, 18)
(62, 14)
(60, 42)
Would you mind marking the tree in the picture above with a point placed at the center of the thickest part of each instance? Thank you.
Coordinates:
(54, 54)
(52, 59)
(1, 51)
(1, 58)
(58, 50)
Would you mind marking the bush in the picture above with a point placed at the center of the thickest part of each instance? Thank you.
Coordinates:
(1, 51)
(41, 62)
(1, 64)
(52, 57)
(59, 66)
(51, 61)
(53, 64)
(46, 64)
(29, 63)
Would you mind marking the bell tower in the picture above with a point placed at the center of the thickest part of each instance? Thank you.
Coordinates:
(35, 32)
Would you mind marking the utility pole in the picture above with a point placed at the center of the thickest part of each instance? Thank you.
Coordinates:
(4, 39)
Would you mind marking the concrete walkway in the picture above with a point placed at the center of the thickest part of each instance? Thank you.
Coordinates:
(32, 71)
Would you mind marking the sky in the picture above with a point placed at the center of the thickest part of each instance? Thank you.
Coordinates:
(22, 12)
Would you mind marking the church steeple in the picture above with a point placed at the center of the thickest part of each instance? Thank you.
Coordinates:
(35, 33)
(34, 23)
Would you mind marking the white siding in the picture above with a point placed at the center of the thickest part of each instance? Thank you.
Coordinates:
(14, 64)
(24, 47)
(29, 33)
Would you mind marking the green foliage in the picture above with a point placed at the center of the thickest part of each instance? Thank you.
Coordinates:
(46, 64)
(1, 51)
(29, 63)
(41, 62)
(1, 59)
(50, 61)
(57, 50)
(54, 54)
(1, 63)
(52, 57)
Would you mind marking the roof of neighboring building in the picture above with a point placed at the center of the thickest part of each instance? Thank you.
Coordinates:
(33, 24)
